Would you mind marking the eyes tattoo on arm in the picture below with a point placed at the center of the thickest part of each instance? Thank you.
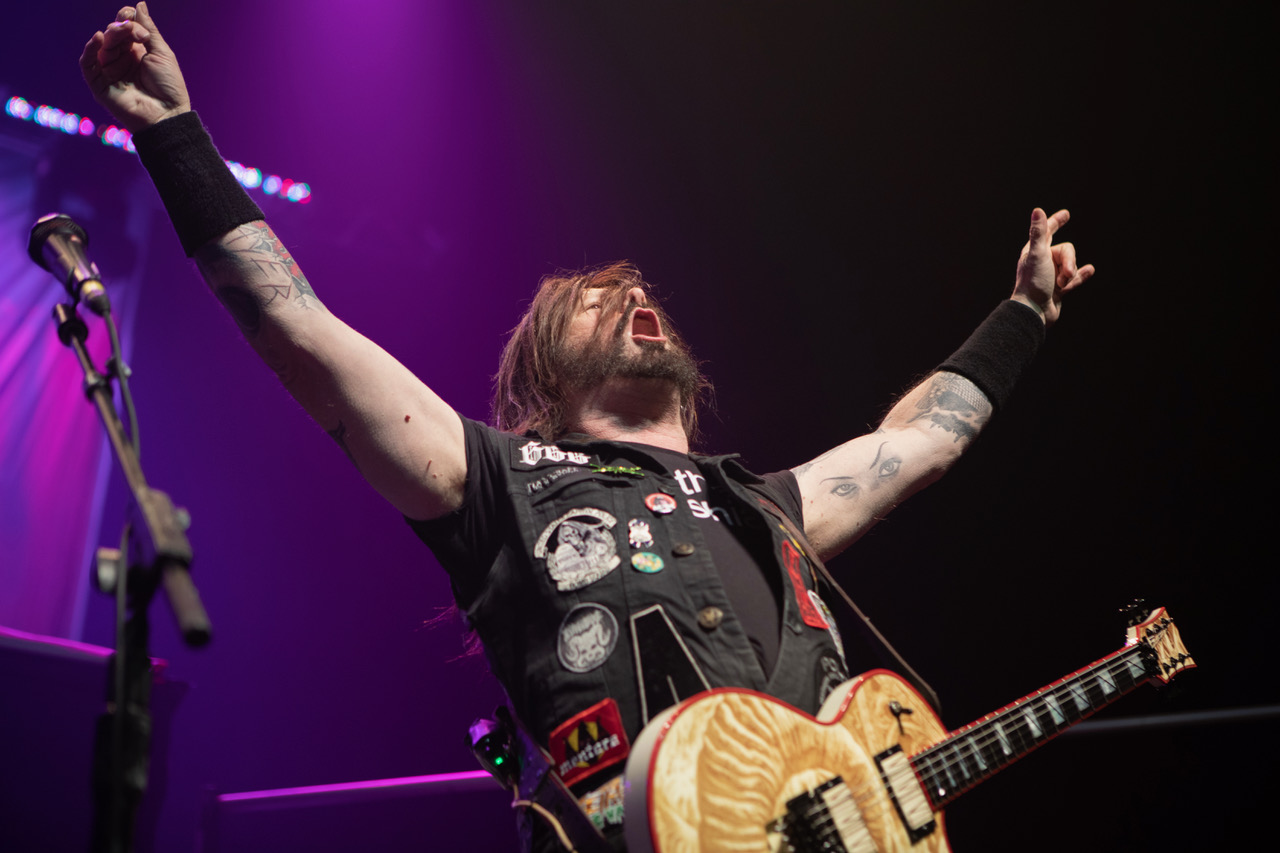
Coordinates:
(251, 270)
(954, 404)
(883, 468)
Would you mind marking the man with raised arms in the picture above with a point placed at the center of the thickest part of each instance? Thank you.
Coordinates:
(608, 571)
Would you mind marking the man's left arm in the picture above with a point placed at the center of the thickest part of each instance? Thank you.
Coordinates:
(848, 489)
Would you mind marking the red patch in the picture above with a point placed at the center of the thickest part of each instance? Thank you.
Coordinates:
(589, 741)
(808, 612)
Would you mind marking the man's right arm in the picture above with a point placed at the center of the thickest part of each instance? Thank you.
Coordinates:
(406, 441)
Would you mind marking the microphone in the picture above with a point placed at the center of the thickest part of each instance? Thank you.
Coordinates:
(58, 244)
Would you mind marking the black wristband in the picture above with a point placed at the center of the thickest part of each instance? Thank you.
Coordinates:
(999, 350)
(203, 198)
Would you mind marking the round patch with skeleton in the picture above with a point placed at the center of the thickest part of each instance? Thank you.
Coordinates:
(588, 635)
(578, 547)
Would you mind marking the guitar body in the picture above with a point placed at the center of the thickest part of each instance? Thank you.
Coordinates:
(735, 771)
(712, 774)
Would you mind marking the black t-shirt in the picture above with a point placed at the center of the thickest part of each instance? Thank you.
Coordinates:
(754, 592)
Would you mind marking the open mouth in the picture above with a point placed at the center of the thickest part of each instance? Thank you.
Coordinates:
(645, 326)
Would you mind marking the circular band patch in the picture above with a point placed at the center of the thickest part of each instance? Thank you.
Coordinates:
(647, 562)
(661, 503)
(578, 547)
(588, 635)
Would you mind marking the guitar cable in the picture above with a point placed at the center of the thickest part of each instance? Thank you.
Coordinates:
(549, 817)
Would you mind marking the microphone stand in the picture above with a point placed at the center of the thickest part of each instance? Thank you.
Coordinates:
(154, 553)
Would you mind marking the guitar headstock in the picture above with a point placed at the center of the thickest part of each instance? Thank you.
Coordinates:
(1160, 636)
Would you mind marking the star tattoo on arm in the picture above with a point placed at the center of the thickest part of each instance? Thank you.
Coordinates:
(252, 272)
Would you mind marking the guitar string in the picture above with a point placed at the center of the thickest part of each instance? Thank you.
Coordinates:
(936, 761)
(1013, 723)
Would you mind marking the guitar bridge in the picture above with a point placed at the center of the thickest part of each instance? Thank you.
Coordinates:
(825, 819)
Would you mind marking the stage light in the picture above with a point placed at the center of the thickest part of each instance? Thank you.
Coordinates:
(18, 108)
(296, 192)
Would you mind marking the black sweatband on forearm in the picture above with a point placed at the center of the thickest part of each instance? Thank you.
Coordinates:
(999, 350)
(203, 198)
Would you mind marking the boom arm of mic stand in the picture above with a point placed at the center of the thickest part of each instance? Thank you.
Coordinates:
(159, 530)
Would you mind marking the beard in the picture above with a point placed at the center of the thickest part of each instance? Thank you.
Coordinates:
(592, 365)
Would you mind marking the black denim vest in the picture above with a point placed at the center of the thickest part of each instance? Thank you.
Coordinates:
(559, 633)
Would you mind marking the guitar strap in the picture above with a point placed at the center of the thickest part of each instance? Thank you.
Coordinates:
(884, 649)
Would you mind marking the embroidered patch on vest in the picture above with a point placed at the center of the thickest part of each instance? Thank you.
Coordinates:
(832, 628)
(792, 560)
(665, 669)
(603, 806)
(589, 741)
(531, 454)
(829, 673)
(588, 635)
(548, 478)
(578, 547)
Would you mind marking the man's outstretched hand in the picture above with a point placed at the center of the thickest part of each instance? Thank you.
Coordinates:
(133, 73)
(1046, 271)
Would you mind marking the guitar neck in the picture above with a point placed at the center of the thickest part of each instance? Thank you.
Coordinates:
(976, 752)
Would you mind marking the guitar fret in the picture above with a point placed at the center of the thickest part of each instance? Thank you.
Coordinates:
(991, 751)
(931, 780)
(1003, 738)
(976, 753)
(1033, 726)
(1051, 702)
(1079, 698)
(1137, 668)
(960, 761)
(1107, 682)
(1122, 675)
(1048, 723)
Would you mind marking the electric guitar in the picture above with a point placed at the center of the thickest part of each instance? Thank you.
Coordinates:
(735, 770)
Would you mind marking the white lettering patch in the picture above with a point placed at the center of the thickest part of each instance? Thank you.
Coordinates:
(588, 635)
(579, 548)
(535, 453)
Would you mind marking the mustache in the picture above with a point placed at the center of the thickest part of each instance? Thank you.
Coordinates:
(624, 321)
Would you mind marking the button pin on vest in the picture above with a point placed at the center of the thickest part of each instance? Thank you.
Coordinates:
(709, 618)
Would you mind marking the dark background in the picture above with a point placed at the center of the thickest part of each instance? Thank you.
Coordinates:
(830, 196)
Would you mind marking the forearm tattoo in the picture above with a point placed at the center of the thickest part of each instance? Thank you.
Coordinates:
(883, 468)
(251, 271)
(955, 405)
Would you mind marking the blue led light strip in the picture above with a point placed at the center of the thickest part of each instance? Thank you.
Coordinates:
(117, 137)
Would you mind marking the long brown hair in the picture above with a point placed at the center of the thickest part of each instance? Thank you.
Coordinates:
(527, 393)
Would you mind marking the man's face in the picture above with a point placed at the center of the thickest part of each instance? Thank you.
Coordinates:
(625, 342)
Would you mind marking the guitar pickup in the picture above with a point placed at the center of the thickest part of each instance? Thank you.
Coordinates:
(906, 792)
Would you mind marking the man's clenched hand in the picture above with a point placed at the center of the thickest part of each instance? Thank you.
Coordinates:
(133, 73)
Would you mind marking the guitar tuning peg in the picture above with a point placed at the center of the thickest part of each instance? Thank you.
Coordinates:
(1135, 611)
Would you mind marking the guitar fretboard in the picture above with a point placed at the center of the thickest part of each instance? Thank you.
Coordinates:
(976, 752)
